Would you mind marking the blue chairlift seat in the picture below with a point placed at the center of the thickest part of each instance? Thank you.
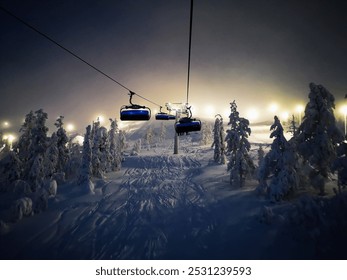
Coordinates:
(186, 125)
(135, 113)
(164, 116)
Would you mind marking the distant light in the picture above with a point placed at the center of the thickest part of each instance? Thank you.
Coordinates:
(252, 114)
(273, 108)
(299, 108)
(100, 118)
(6, 124)
(11, 138)
(285, 116)
(343, 109)
(210, 111)
(70, 127)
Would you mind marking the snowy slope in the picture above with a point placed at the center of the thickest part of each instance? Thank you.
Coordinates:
(159, 206)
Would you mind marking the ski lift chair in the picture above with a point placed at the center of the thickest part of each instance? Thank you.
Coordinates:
(134, 112)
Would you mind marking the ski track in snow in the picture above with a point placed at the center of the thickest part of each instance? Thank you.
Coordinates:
(156, 206)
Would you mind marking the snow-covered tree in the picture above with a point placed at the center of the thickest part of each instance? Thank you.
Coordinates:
(261, 154)
(149, 137)
(318, 135)
(74, 162)
(101, 157)
(340, 165)
(206, 134)
(137, 148)
(218, 143)
(240, 163)
(293, 129)
(37, 172)
(85, 175)
(279, 166)
(23, 147)
(122, 141)
(38, 146)
(96, 166)
(10, 169)
(104, 154)
(162, 133)
(62, 145)
(115, 151)
(51, 156)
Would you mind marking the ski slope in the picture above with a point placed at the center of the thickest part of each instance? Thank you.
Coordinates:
(159, 206)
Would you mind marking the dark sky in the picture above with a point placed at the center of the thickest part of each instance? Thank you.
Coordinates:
(255, 52)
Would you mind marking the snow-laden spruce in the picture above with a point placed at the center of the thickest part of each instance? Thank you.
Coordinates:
(340, 165)
(318, 135)
(85, 175)
(149, 137)
(240, 163)
(115, 150)
(62, 141)
(278, 171)
(51, 156)
(218, 142)
(206, 134)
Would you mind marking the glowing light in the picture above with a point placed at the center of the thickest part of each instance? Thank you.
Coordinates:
(70, 127)
(299, 108)
(210, 111)
(252, 114)
(10, 138)
(273, 108)
(6, 124)
(285, 116)
(343, 110)
(100, 118)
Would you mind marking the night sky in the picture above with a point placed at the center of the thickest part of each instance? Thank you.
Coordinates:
(255, 52)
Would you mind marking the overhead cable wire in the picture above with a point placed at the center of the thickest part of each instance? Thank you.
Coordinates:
(72, 53)
(189, 47)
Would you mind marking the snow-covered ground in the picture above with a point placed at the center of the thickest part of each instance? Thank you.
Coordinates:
(159, 206)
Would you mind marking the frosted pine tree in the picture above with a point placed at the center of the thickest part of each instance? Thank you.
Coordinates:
(280, 166)
(261, 154)
(293, 129)
(96, 167)
(340, 165)
(51, 156)
(149, 137)
(240, 163)
(85, 174)
(24, 147)
(62, 145)
(162, 133)
(10, 169)
(115, 153)
(38, 149)
(104, 154)
(137, 148)
(101, 157)
(218, 142)
(318, 135)
(206, 134)
(223, 159)
(122, 141)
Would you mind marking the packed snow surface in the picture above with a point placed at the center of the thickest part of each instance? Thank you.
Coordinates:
(158, 206)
